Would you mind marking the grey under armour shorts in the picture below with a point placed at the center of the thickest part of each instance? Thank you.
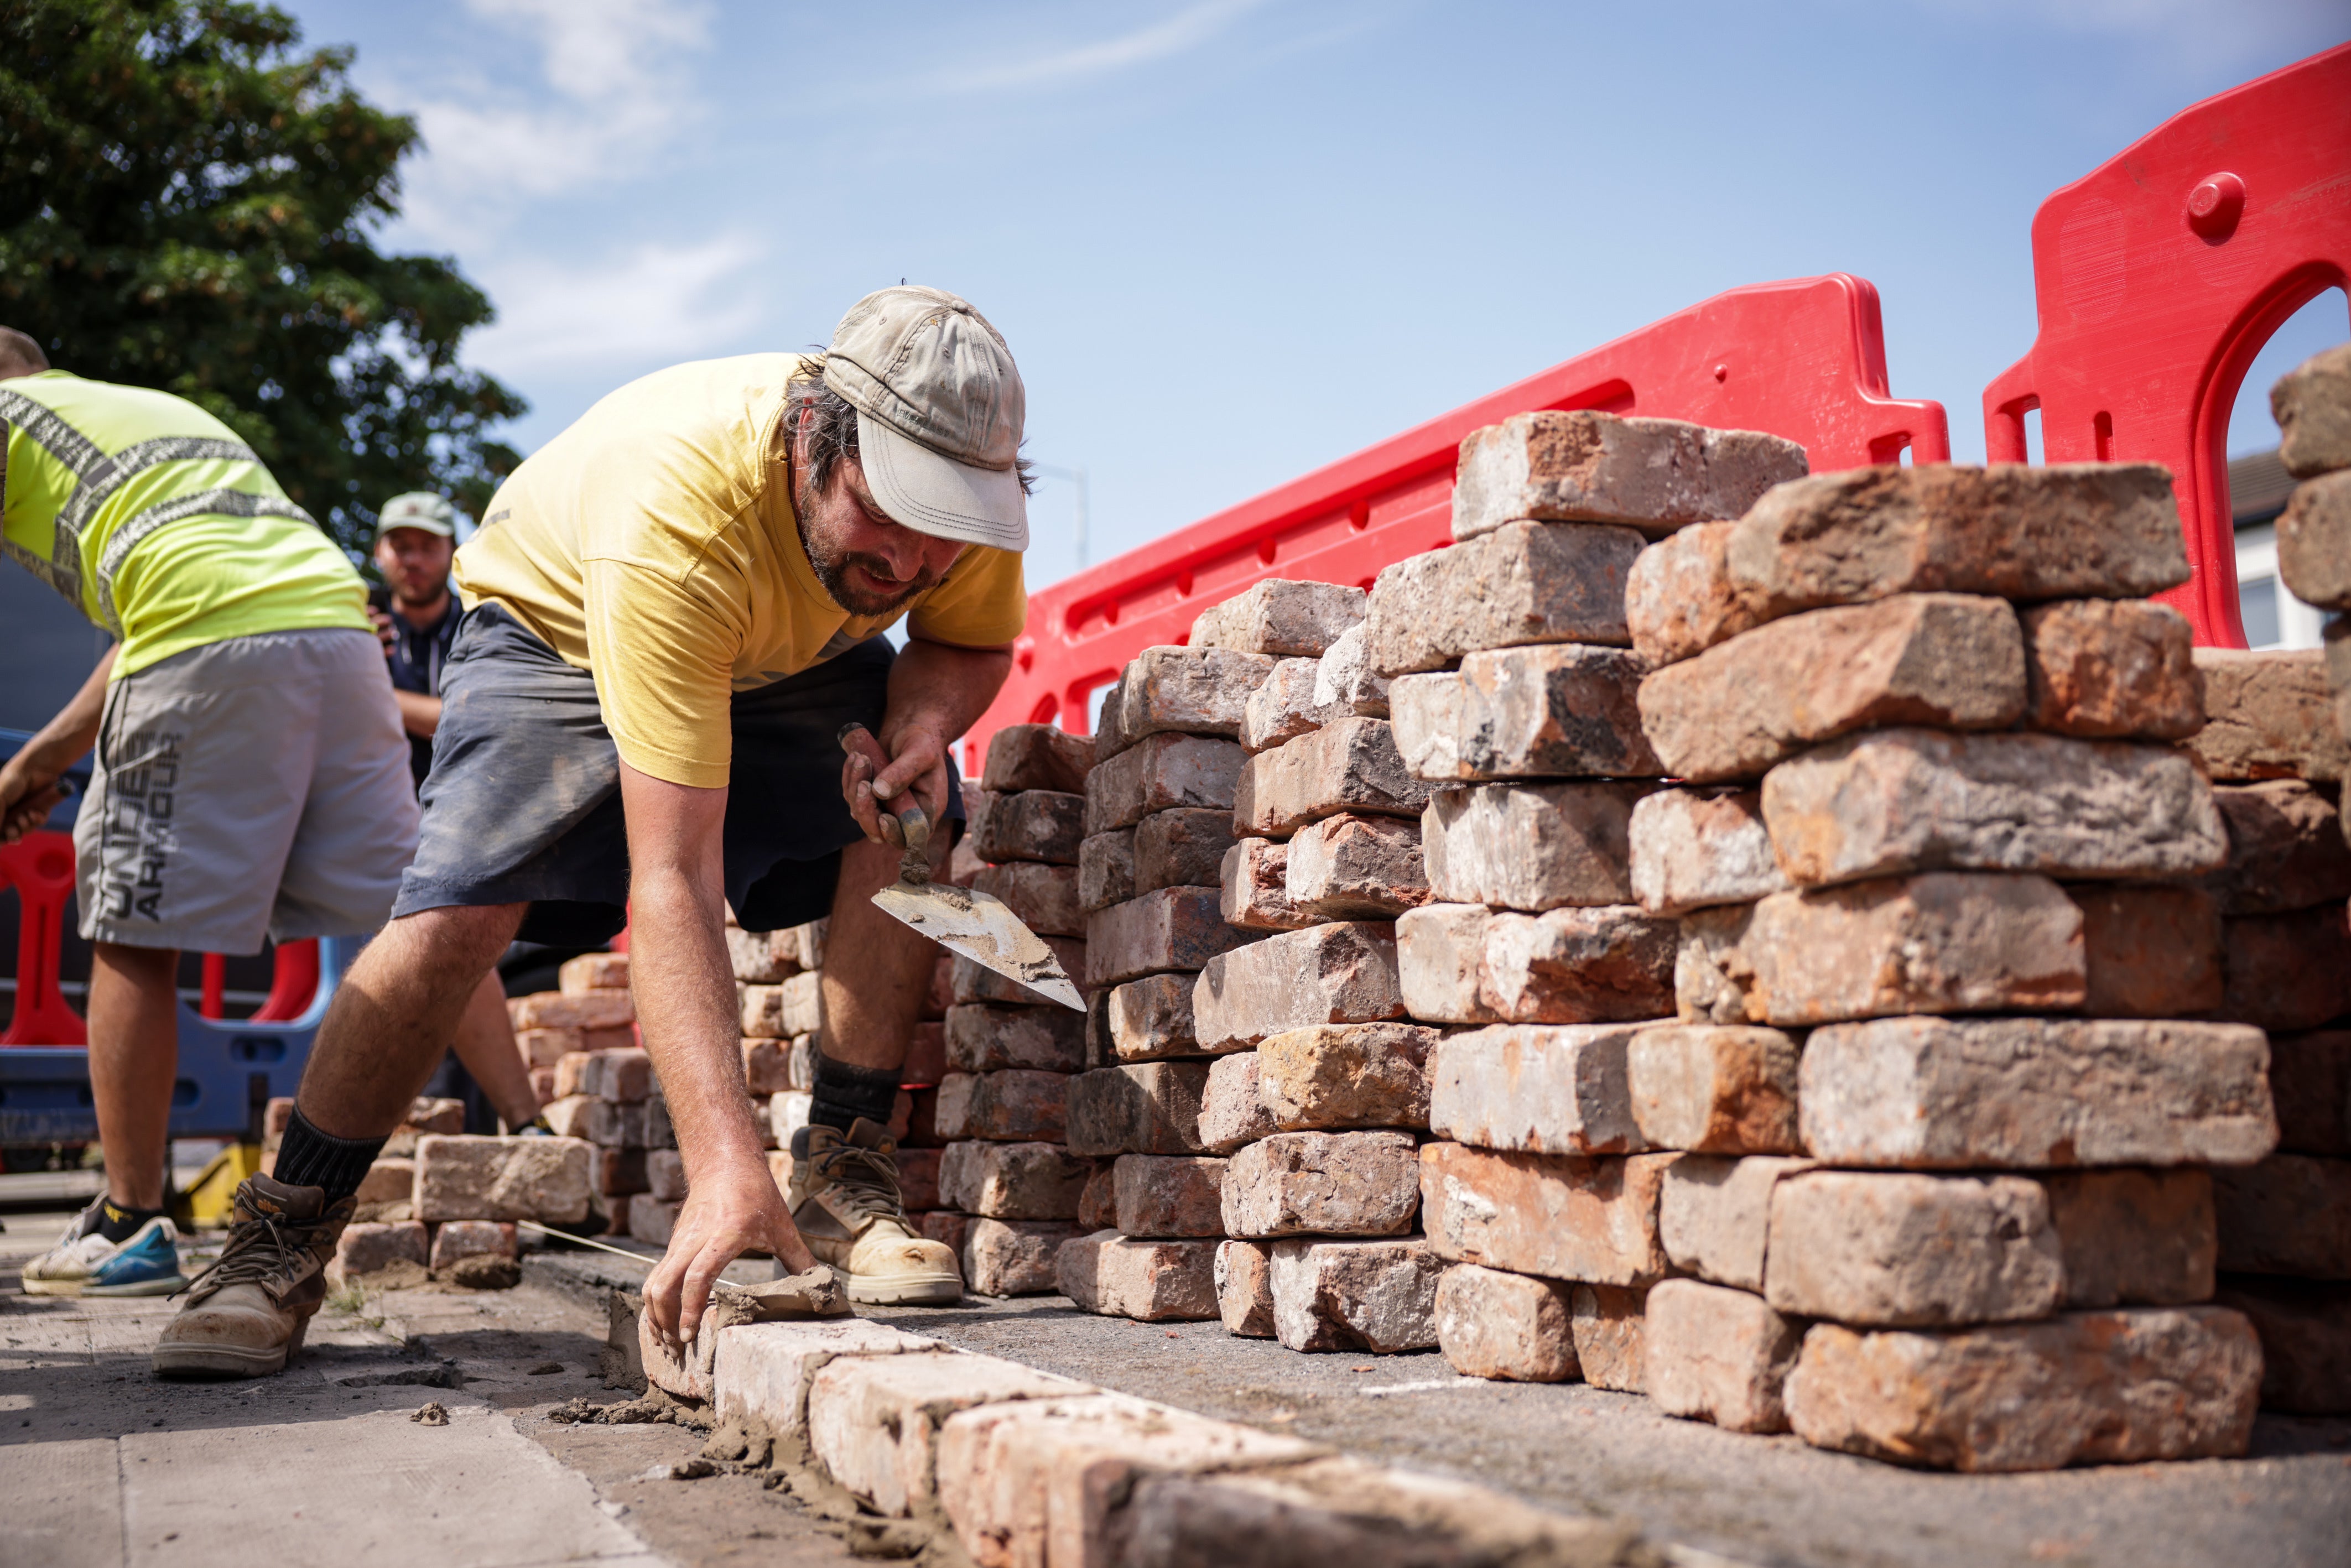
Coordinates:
(254, 787)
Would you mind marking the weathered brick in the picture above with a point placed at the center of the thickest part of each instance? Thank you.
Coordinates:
(1245, 1287)
(981, 1038)
(1098, 1203)
(1281, 617)
(1022, 756)
(2110, 668)
(461, 1238)
(592, 972)
(1941, 1093)
(2033, 1396)
(1714, 1215)
(1376, 1296)
(1530, 846)
(1610, 1326)
(1716, 1089)
(651, 1220)
(1168, 1195)
(1605, 964)
(596, 1121)
(2132, 1237)
(365, 1250)
(1508, 1326)
(544, 1179)
(1348, 765)
(572, 1074)
(781, 1012)
(1034, 825)
(2286, 849)
(554, 1010)
(1337, 1076)
(970, 982)
(1943, 659)
(1582, 465)
(1231, 1114)
(1524, 583)
(392, 1182)
(787, 1112)
(2305, 1333)
(1011, 1181)
(1161, 773)
(1168, 929)
(1679, 600)
(1340, 973)
(2150, 952)
(2268, 715)
(762, 958)
(1917, 800)
(1284, 708)
(918, 1176)
(1564, 1218)
(1145, 1108)
(1181, 848)
(1893, 1249)
(2312, 404)
(1345, 682)
(1440, 951)
(1042, 897)
(1254, 894)
(1190, 691)
(2310, 1078)
(766, 1065)
(1154, 1282)
(2287, 972)
(546, 1047)
(1560, 709)
(874, 1420)
(1151, 1018)
(1016, 1106)
(2291, 1214)
(2313, 541)
(762, 1371)
(1014, 1257)
(1716, 1354)
(1351, 867)
(1551, 1090)
(1322, 1184)
(665, 1175)
(1105, 869)
(1945, 942)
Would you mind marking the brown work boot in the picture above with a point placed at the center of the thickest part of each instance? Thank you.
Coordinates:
(844, 1198)
(245, 1314)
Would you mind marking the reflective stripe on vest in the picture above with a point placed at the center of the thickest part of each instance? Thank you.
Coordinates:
(204, 503)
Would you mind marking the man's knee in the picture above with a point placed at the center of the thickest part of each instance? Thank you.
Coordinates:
(454, 938)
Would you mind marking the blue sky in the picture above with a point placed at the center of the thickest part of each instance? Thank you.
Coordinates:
(1231, 240)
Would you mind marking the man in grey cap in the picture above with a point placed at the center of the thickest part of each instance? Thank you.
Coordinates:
(677, 607)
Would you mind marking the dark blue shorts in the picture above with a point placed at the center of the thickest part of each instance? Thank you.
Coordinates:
(522, 804)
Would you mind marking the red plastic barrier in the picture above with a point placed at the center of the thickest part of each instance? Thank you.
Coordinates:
(40, 867)
(2159, 276)
(1803, 358)
(293, 982)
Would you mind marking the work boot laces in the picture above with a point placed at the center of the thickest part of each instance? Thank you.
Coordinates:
(864, 1182)
(267, 1250)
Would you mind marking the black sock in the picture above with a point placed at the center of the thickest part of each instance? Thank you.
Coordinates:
(308, 1157)
(119, 1224)
(844, 1092)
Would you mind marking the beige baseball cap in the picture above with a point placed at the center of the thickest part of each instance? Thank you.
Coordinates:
(939, 409)
(418, 510)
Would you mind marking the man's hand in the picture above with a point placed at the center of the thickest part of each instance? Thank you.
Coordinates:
(872, 777)
(28, 793)
(28, 782)
(383, 628)
(937, 691)
(735, 1211)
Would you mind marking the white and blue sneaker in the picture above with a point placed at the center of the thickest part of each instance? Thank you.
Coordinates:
(85, 1263)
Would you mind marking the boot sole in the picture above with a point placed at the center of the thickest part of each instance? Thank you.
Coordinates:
(54, 1287)
(212, 1362)
(904, 1290)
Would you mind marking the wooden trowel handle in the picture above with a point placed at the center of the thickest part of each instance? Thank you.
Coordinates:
(905, 823)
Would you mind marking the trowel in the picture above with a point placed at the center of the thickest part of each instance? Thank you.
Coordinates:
(962, 920)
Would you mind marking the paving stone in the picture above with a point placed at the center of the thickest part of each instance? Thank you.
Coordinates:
(1168, 1195)
(874, 1420)
(1339, 1076)
(2287, 972)
(1717, 1089)
(1605, 964)
(2313, 541)
(1245, 1287)
(1582, 465)
(1322, 1184)
(1564, 1218)
(460, 1238)
(1714, 1215)
(1098, 1203)
(1042, 897)
(365, 1250)
(1531, 846)
(2080, 1388)
(2291, 1214)
(970, 982)
(1440, 952)
(2150, 952)
(1034, 825)
(763, 958)
(1553, 1089)
(1105, 869)
(1181, 848)
(1190, 691)
(1161, 773)
(795, 1005)
(2286, 849)
(1284, 707)
(665, 1175)
(1893, 1249)
(1168, 928)
(1679, 600)
(1376, 1296)
(1524, 583)
(1351, 867)
(2034, 1094)
(1345, 681)
(1254, 891)
(1348, 765)
(2312, 404)
(1152, 1281)
(2268, 715)
(1015, 1256)
(1560, 709)
(1016, 1106)
(1610, 1326)
(1011, 1181)
(1142, 1108)
(1716, 1354)
(1341, 973)
(592, 972)
(1281, 617)
(2305, 1333)
(2111, 668)
(1151, 1018)
(1944, 942)
(2134, 1237)
(1231, 1114)
(554, 1010)
(761, 1371)
(1943, 659)
(984, 1038)
(2310, 1078)
(543, 1179)
(1022, 756)
(1505, 1326)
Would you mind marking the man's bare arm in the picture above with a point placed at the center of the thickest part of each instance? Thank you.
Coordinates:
(419, 715)
(685, 1008)
(937, 691)
(28, 779)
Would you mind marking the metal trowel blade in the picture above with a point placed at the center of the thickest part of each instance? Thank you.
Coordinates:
(979, 926)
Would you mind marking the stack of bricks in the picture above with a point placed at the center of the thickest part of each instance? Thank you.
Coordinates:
(777, 994)
(603, 1092)
(1007, 1189)
(2276, 735)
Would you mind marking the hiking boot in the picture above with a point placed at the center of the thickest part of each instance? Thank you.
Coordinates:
(247, 1314)
(85, 1263)
(844, 1198)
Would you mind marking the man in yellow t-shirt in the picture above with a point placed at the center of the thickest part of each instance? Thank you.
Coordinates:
(678, 604)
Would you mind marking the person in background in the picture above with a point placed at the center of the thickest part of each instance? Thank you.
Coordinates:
(417, 615)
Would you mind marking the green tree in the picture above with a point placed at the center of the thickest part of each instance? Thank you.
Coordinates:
(187, 201)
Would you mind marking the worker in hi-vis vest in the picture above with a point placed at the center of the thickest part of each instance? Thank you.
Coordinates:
(251, 777)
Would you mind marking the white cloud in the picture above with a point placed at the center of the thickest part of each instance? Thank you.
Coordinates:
(1179, 34)
(655, 305)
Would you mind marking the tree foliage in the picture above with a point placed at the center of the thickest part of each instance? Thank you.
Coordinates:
(187, 202)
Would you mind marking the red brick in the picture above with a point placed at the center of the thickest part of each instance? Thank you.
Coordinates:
(2268, 715)
(2313, 542)
(1155, 1281)
(1560, 709)
(1245, 1287)
(1557, 1089)
(1679, 600)
(553, 1009)
(1181, 848)
(1034, 825)
(1508, 1326)
(1161, 773)
(2287, 972)
(1351, 867)
(2111, 667)
(2289, 1214)
(1168, 1195)
(1337, 1076)
(1592, 1220)
(1610, 1326)
(462, 1239)
(1348, 765)
(1714, 1089)
(1254, 894)
(1524, 583)
(2310, 1077)
(592, 972)
(1106, 868)
(1148, 1108)
(1011, 1181)
(1377, 1296)
(1285, 707)
(1151, 1018)
(1175, 928)
(1012, 1106)
(1716, 1354)
(1280, 617)
(1036, 757)
(1322, 1184)
(1341, 973)
(2286, 849)
(1606, 964)
(1582, 465)
(2312, 404)
(1044, 898)
(1013, 1257)
(1530, 846)
(1231, 1112)
(2306, 1334)
(2150, 952)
